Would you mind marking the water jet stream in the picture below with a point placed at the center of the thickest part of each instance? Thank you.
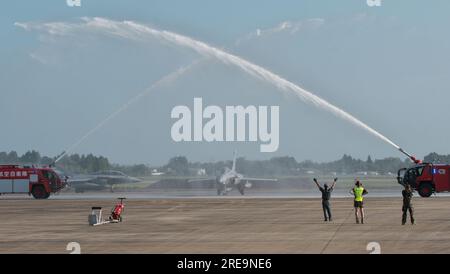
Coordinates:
(139, 32)
(166, 79)
(132, 30)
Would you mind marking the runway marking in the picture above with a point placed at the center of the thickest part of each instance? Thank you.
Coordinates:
(335, 233)
(175, 207)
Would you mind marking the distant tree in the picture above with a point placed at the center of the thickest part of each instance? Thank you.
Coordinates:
(369, 164)
(276, 166)
(308, 164)
(46, 160)
(139, 170)
(281, 165)
(31, 157)
(3, 157)
(286, 162)
(390, 164)
(84, 163)
(75, 158)
(437, 158)
(12, 158)
(178, 165)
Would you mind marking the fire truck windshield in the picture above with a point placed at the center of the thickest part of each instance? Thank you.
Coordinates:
(419, 170)
(412, 174)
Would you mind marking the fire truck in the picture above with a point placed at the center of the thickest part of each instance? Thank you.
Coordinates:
(36, 181)
(426, 178)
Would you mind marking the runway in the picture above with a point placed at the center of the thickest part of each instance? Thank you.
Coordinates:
(222, 225)
(211, 194)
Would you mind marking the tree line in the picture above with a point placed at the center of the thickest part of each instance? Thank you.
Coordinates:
(180, 165)
(288, 166)
(74, 163)
(437, 159)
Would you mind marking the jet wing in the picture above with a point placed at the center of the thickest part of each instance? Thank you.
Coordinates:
(201, 180)
(259, 179)
(80, 180)
(82, 187)
(88, 185)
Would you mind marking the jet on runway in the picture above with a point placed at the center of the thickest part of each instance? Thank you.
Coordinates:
(232, 179)
(99, 180)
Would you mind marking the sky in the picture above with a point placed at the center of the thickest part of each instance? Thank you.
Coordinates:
(387, 65)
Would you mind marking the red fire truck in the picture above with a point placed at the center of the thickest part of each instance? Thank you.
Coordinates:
(37, 181)
(426, 178)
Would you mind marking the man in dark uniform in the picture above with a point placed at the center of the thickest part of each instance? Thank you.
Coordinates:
(407, 194)
(326, 195)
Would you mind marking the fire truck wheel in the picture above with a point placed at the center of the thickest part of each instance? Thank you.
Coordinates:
(39, 192)
(425, 190)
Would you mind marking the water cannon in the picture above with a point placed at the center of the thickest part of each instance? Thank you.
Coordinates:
(414, 159)
(57, 158)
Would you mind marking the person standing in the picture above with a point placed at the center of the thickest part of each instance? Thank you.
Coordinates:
(407, 194)
(326, 195)
(358, 192)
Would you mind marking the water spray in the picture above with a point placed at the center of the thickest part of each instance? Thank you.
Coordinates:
(57, 158)
(138, 32)
(166, 79)
(133, 30)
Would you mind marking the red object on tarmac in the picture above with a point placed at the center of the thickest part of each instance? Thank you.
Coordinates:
(116, 212)
(32, 180)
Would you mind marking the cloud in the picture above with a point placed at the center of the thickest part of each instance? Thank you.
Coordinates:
(290, 27)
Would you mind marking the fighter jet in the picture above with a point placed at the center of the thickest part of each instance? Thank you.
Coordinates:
(99, 180)
(232, 179)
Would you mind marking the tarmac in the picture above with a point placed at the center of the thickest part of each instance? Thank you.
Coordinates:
(220, 225)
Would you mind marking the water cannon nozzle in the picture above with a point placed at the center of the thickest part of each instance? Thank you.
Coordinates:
(414, 159)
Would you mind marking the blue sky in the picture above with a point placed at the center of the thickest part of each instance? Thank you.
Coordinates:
(387, 65)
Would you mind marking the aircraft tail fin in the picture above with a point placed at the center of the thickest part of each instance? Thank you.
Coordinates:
(234, 161)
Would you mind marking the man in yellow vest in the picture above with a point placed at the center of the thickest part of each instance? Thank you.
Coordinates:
(359, 191)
